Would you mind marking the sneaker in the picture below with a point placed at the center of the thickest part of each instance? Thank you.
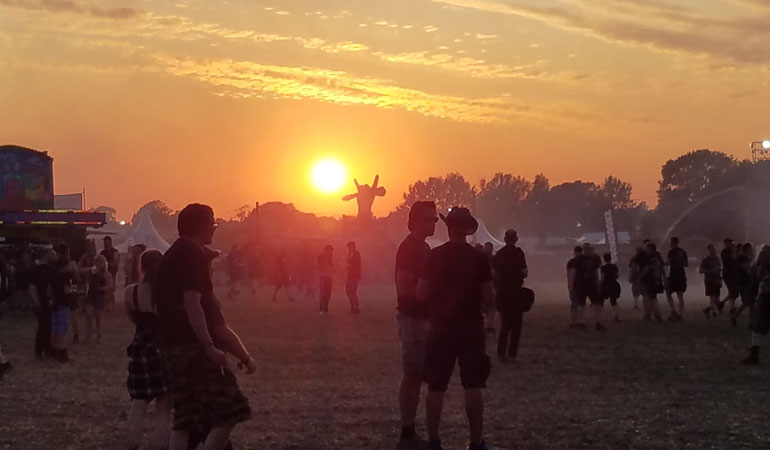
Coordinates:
(482, 446)
(5, 368)
(600, 327)
(413, 442)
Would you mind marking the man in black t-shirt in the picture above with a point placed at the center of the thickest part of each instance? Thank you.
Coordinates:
(41, 289)
(195, 337)
(510, 270)
(412, 317)
(353, 278)
(456, 284)
(587, 282)
(651, 273)
(676, 283)
(577, 301)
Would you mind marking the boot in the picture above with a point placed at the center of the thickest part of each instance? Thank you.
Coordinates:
(753, 358)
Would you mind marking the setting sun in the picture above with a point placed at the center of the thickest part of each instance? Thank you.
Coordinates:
(329, 175)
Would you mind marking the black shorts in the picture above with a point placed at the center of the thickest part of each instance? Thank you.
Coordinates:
(676, 284)
(592, 293)
(713, 289)
(464, 346)
(733, 289)
(611, 292)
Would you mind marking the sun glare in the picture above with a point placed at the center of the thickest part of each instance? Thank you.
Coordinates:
(329, 175)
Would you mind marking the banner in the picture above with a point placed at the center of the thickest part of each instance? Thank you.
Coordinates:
(68, 202)
(612, 238)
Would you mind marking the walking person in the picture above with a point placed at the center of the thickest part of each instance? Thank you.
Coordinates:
(353, 277)
(729, 275)
(711, 268)
(634, 278)
(456, 283)
(588, 267)
(745, 281)
(652, 275)
(762, 323)
(282, 276)
(146, 378)
(609, 285)
(577, 303)
(326, 274)
(509, 269)
(100, 284)
(234, 266)
(196, 338)
(64, 297)
(676, 283)
(112, 256)
(77, 309)
(41, 290)
(412, 317)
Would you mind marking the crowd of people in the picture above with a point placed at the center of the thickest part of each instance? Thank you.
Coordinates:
(449, 299)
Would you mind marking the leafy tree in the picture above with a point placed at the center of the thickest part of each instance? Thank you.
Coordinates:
(615, 194)
(447, 191)
(163, 217)
(573, 209)
(691, 177)
(500, 201)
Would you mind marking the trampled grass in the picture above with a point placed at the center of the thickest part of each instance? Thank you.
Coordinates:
(330, 383)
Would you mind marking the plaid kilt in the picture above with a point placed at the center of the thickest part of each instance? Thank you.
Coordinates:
(146, 375)
(204, 396)
(60, 321)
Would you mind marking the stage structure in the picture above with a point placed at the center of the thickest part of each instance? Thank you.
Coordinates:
(760, 151)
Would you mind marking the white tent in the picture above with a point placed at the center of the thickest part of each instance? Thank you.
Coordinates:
(145, 233)
(483, 236)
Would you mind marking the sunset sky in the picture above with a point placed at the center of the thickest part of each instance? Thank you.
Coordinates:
(232, 102)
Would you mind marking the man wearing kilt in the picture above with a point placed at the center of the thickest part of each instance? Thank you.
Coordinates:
(196, 338)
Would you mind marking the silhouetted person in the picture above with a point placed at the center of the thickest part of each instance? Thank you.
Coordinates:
(634, 276)
(305, 272)
(325, 275)
(509, 267)
(676, 283)
(64, 295)
(412, 317)
(762, 326)
(587, 282)
(282, 276)
(728, 256)
(652, 274)
(131, 270)
(456, 282)
(147, 381)
(745, 280)
(353, 277)
(5, 365)
(100, 284)
(234, 266)
(609, 284)
(711, 268)
(196, 338)
(112, 255)
(577, 302)
(41, 290)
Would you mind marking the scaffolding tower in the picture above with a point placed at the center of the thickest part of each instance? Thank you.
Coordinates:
(760, 151)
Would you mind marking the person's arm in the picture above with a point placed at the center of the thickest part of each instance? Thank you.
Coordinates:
(128, 303)
(197, 319)
(571, 279)
(226, 339)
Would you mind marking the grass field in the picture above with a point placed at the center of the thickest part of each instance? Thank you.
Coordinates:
(330, 383)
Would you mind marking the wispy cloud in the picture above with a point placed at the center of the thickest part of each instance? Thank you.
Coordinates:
(67, 6)
(744, 37)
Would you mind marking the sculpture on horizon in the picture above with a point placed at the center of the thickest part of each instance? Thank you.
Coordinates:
(365, 197)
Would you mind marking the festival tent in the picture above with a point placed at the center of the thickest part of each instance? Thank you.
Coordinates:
(144, 233)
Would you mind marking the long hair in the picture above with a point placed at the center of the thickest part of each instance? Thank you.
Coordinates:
(149, 266)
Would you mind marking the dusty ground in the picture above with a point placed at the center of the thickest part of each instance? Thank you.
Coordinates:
(330, 383)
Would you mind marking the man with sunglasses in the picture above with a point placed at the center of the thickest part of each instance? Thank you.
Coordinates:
(196, 338)
(412, 316)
